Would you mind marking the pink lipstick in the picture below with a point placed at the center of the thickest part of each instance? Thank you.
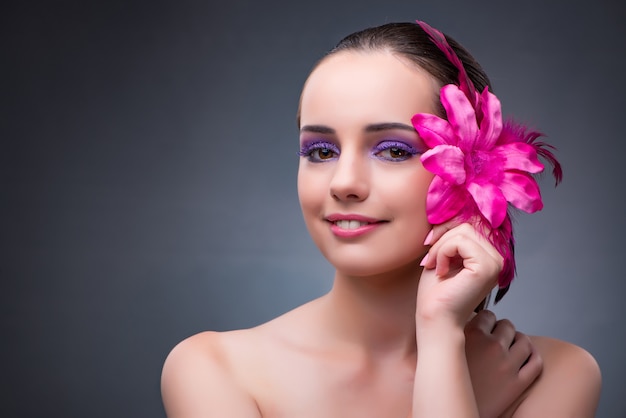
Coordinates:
(352, 225)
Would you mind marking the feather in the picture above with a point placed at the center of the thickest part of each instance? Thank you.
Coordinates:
(544, 150)
(439, 39)
(500, 237)
(513, 131)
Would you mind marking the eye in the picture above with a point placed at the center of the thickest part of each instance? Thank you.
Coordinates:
(394, 151)
(318, 152)
(322, 154)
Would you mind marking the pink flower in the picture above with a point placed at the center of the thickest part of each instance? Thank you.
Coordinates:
(479, 163)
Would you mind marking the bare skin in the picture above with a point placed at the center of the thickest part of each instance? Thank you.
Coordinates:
(391, 338)
(282, 369)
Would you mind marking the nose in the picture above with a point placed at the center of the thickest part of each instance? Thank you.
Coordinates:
(350, 180)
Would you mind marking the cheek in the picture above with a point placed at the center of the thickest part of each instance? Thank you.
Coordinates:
(310, 190)
(406, 191)
(311, 194)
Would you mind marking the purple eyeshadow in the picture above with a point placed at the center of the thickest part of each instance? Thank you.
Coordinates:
(308, 146)
(385, 145)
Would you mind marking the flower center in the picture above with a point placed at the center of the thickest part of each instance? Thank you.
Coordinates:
(476, 162)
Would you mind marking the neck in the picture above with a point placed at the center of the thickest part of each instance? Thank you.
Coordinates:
(376, 313)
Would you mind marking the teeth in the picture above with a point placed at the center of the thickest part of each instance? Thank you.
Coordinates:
(345, 224)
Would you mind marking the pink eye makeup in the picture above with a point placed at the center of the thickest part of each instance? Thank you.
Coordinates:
(393, 150)
(318, 151)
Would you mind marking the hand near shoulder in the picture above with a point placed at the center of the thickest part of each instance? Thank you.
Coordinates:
(502, 362)
(514, 375)
(197, 381)
(569, 385)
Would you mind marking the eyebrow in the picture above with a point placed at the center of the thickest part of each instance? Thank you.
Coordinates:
(318, 129)
(388, 126)
(375, 127)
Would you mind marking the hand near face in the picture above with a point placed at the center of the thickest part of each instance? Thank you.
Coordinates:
(460, 269)
(502, 361)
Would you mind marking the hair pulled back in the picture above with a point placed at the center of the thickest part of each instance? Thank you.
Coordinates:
(409, 40)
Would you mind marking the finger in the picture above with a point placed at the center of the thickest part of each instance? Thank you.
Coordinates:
(468, 229)
(504, 331)
(532, 368)
(440, 229)
(458, 247)
(463, 248)
(442, 250)
(484, 320)
(442, 234)
(521, 350)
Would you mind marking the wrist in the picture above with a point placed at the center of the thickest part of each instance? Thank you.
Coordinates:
(439, 321)
(442, 372)
(442, 333)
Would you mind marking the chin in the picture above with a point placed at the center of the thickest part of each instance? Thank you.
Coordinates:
(375, 255)
(374, 265)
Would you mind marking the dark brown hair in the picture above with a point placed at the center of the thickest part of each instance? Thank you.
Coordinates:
(409, 40)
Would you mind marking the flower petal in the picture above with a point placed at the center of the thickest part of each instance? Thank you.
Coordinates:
(491, 123)
(490, 201)
(444, 200)
(433, 130)
(447, 162)
(522, 191)
(460, 114)
(519, 156)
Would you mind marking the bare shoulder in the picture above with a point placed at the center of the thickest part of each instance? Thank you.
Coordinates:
(199, 378)
(229, 374)
(569, 385)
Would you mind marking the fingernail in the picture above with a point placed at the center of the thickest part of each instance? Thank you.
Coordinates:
(424, 260)
(429, 238)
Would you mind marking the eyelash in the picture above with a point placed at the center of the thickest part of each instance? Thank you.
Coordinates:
(312, 151)
(408, 150)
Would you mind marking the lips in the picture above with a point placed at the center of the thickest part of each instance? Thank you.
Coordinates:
(352, 225)
(351, 217)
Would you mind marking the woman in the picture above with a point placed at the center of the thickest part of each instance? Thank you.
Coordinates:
(397, 335)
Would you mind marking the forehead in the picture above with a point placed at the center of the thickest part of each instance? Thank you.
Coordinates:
(354, 87)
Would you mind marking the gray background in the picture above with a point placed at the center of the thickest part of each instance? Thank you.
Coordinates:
(148, 169)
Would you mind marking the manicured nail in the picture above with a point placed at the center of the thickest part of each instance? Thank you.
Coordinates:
(424, 260)
(429, 238)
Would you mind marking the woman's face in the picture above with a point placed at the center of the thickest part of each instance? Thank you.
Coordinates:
(361, 184)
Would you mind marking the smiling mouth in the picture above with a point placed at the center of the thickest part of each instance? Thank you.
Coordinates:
(352, 224)
(346, 224)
